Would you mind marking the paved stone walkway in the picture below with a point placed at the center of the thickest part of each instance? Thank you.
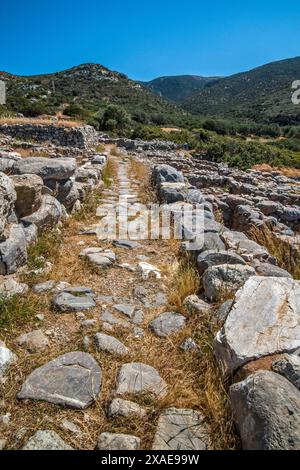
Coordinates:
(120, 364)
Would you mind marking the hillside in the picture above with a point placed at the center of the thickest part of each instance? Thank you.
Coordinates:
(262, 94)
(91, 86)
(178, 88)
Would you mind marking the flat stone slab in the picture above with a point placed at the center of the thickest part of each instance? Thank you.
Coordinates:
(137, 377)
(210, 258)
(46, 440)
(98, 257)
(180, 429)
(72, 380)
(126, 409)
(111, 441)
(126, 309)
(167, 323)
(74, 300)
(128, 244)
(266, 409)
(264, 320)
(110, 344)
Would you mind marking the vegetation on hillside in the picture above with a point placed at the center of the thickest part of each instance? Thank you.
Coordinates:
(260, 95)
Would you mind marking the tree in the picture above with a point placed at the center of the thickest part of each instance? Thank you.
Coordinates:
(114, 118)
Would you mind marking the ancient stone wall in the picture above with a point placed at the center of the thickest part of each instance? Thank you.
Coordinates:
(80, 137)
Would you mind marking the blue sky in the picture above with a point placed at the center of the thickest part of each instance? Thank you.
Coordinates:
(146, 39)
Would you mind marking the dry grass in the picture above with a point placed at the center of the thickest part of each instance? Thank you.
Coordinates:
(29, 152)
(185, 282)
(109, 173)
(114, 151)
(289, 172)
(202, 373)
(41, 122)
(141, 172)
(288, 257)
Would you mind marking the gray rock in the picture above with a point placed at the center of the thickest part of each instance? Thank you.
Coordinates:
(110, 441)
(98, 257)
(167, 323)
(126, 409)
(166, 173)
(136, 377)
(181, 429)
(10, 287)
(72, 380)
(7, 199)
(31, 232)
(46, 440)
(194, 305)
(29, 194)
(71, 427)
(34, 341)
(13, 251)
(110, 344)
(71, 300)
(225, 279)
(126, 309)
(46, 168)
(212, 241)
(266, 409)
(267, 269)
(129, 244)
(207, 259)
(189, 345)
(7, 358)
(289, 367)
(110, 318)
(91, 323)
(248, 249)
(263, 321)
(43, 287)
(48, 215)
(224, 311)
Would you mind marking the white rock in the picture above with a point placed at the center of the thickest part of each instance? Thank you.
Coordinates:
(264, 320)
(147, 270)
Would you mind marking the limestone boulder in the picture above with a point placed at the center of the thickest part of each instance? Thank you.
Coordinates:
(29, 194)
(264, 320)
(48, 215)
(225, 279)
(7, 199)
(266, 409)
(46, 168)
(211, 258)
(13, 250)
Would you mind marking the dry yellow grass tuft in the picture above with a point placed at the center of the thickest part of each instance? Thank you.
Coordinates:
(289, 172)
(141, 172)
(41, 122)
(288, 257)
(185, 282)
(109, 173)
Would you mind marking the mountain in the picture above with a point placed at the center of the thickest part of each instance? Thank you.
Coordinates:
(262, 94)
(91, 86)
(177, 88)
